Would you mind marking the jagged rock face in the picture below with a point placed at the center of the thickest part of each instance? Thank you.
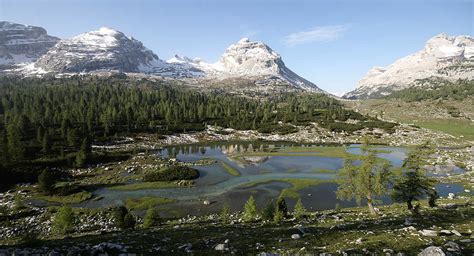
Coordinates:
(446, 57)
(104, 49)
(256, 59)
(23, 44)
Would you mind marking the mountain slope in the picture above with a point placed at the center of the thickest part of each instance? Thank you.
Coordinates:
(443, 57)
(104, 49)
(250, 60)
(253, 63)
(23, 44)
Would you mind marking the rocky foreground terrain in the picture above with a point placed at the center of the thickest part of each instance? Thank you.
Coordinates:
(443, 230)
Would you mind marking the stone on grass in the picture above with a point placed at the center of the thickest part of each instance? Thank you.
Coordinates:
(432, 251)
(296, 236)
(452, 246)
(428, 232)
(445, 232)
(221, 247)
(454, 231)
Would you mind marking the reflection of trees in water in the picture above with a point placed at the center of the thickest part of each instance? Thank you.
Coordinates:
(227, 148)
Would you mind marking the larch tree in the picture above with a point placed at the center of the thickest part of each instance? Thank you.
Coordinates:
(365, 181)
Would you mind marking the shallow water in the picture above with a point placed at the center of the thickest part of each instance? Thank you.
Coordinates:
(218, 186)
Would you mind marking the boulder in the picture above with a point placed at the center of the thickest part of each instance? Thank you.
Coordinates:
(428, 232)
(432, 251)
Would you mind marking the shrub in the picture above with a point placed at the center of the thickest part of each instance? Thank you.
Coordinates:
(173, 173)
(123, 219)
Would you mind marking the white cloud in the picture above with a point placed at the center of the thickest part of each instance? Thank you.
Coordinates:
(316, 34)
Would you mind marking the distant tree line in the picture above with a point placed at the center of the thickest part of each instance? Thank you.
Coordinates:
(434, 90)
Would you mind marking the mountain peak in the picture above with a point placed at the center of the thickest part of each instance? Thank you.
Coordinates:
(108, 31)
(23, 43)
(444, 56)
(103, 49)
(244, 40)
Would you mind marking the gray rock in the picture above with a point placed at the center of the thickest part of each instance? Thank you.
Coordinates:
(428, 232)
(186, 247)
(432, 251)
(295, 236)
(454, 231)
(452, 246)
(359, 241)
(34, 42)
(445, 232)
(221, 247)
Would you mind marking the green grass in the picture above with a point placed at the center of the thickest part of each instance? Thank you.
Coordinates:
(69, 199)
(145, 185)
(143, 203)
(453, 127)
(324, 171)
(296, 185)
(330, 151)
(229, 169)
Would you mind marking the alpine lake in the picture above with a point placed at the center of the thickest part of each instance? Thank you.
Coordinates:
(231, 172)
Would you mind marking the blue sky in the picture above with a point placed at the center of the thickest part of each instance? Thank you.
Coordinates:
(331, 43)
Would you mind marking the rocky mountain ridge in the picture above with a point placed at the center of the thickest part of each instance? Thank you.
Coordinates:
(107, 49)
(23, 43)
(443, 57)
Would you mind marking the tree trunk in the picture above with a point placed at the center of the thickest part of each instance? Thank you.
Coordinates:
(370, 205)
(371, 208)
(409, 205)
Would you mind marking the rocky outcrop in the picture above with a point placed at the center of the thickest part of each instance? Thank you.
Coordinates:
(23, 44)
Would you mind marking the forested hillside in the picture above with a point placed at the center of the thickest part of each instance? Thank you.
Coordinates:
(52, 122)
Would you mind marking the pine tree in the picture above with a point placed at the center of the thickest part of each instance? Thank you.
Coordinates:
(152, 218)
(269, 211)
(46, 181)
(282, 207)
(83, 154)
(250, 210)
(46, 143)
(412, 184)
(300, 210)
(64, 220)
(224, 215)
